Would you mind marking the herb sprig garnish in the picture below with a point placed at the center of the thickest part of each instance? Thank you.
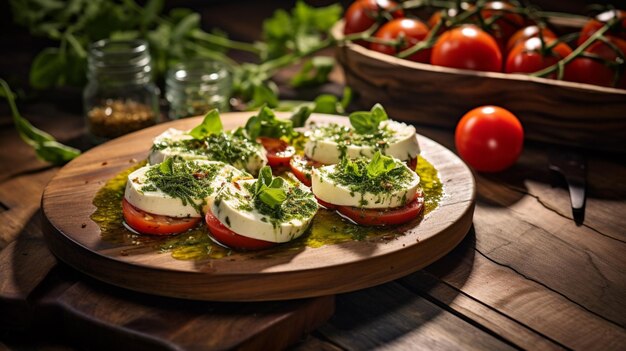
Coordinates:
(366, 122)
(211, 124)
(380, 175)
(186, 180)
(279, 200)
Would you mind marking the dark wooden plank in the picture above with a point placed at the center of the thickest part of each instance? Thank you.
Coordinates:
(428, 285)
(391, 316)
(523, 299)
(20, 198)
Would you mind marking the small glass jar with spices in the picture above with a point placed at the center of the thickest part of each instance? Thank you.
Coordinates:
(120, 96)
(196, 86)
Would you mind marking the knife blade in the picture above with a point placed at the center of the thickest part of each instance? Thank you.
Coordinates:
(573, 167)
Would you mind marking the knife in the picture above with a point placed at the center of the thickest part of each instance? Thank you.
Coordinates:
(573, 167)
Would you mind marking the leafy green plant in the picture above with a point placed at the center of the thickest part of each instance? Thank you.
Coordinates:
(46, 147)
(288, 38)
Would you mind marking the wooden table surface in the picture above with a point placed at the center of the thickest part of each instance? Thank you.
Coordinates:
(526, 276)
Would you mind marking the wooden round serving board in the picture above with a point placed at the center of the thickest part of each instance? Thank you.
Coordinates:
(74, 238)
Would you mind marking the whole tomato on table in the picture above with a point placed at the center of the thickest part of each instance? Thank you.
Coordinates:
(489, 138)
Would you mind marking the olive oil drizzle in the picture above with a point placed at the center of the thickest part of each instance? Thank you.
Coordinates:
(327, 228)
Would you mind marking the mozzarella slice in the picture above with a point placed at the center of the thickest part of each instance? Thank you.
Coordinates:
(327, 144)
(328, 190)
(168, 143)
(160, 203)
(234, 208)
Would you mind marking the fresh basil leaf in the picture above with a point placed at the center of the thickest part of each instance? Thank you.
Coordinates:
(378, 113)
(151, 11)
(299, 118)
(314, 71)
(346, 98)
(264, 95)
(273, 197)
(211, 124)
(44, 144)
(265, 176)
(380, 164)
(184, 27)
(269, 189)
(266, 124)
(367, 122)
(327, 103)
(47, 69)
(167, 166)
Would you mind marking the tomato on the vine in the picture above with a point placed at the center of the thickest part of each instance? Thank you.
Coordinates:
(528, 32)
(410, 31)
(362, 14)
(467, 47)
(279, 153)
(592, 26)
(505, 20)
(227, 237)
(595, 70)
(148, 223)
(489, 138)
(530, 56)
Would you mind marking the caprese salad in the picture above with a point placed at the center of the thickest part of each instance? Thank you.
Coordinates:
(361, 171)
(368, 133)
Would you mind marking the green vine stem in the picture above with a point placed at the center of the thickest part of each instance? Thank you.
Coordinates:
(560, 65)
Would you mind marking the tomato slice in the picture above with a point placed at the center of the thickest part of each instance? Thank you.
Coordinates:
(148, 223)
(227, 237)
(279, 153)
(302, 168)
(391, 216)
(327, 205)
(412, 164)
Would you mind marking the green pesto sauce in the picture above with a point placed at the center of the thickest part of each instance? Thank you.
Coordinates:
(327, 228)
(229, 148)
(344, 136)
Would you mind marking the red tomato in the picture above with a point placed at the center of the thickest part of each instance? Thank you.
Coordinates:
(279, 153)
(147, 223)
(391, 216)
(526, 33)
(467, 47)
(362, 14)
(412, 164)
(594, 24)
(436, 17)
(489, 138)
(327, 205)
(529, 56)
(225, 236)
(302, 167)
(592, 71)
(508, 22)
(411, 31)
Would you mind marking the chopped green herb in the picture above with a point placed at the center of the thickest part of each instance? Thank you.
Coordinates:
(186, 180)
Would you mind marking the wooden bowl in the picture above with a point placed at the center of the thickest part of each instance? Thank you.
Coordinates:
(559, 112)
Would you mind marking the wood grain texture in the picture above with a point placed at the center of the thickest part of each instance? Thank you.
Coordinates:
(35, 294)
(309, 272)
(391, 317)
(554, 111)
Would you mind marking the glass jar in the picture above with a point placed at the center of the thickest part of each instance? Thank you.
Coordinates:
(120, 96)
(194, 87)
